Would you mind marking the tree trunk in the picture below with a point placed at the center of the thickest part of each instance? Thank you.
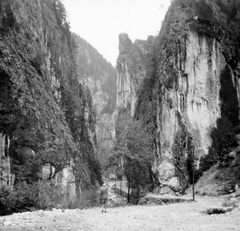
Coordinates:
(129, 187)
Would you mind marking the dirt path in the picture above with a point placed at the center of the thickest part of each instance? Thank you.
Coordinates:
(181, 216)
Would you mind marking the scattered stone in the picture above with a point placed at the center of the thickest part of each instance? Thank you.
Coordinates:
(231, 201)
(174, 183)
(219, 210)
(161, 201)
(7, 223)
(177, 194)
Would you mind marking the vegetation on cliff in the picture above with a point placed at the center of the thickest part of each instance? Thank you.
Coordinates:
(217, 20)
(91, 66)
(42, 105)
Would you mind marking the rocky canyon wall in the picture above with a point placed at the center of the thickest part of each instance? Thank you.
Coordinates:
(47, 124)
(132, 66)
(189, 90)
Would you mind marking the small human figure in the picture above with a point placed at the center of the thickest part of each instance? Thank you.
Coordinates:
(104, 197)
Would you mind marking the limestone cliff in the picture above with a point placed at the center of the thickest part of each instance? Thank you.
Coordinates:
(132, 66)
(47, 124)
(190, 96)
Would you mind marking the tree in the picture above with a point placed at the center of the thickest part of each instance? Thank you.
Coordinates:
(132, 153)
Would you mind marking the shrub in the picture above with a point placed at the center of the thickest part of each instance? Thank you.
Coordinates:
(21, 199)
(89, 198)
(25, 197)
(4, 193)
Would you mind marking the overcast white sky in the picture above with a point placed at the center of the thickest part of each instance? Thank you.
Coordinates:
(100, 22)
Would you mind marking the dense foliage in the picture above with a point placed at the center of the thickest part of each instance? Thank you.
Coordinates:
(43, 107)
(132, 156)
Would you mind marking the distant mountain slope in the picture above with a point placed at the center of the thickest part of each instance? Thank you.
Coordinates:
(98, 74)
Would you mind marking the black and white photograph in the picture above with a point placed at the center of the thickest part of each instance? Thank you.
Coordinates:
(120, 115)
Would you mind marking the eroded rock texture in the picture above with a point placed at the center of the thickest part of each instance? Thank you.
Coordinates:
(46, 116)
(188, 89)
(131, 66)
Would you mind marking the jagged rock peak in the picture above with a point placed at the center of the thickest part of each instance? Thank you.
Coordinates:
(124, 43)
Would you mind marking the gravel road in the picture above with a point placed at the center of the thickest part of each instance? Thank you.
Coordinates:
(179, 216)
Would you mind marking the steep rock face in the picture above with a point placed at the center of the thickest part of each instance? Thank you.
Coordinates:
(191, 106)
(190, 95)
(203, 65)
(132, 63)
(41, 102)
(6, 178)
(194, 75)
